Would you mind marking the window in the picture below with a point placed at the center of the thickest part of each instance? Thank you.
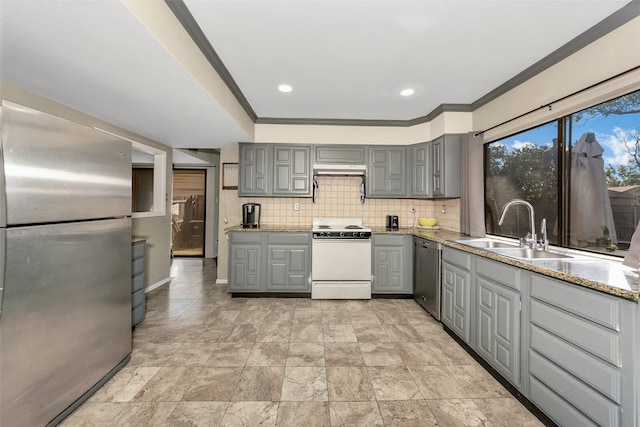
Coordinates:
(148, 179)
(581, 173)
(523, 166)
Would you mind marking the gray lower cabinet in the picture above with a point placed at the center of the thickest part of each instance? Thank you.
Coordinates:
(386, 176)
(498, 317)
(456, 310)
(288, 262)
(269, 262)
(392, 267)
(245, 262)
(253, 174)
(580, 355)
(570, 350)
(138, 256)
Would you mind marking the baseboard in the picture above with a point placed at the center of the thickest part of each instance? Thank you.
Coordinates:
(222, 282)
(157, 285)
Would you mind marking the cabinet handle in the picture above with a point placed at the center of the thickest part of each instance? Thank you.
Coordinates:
(423, 298)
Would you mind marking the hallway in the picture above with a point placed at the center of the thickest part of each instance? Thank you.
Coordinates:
(202, 358)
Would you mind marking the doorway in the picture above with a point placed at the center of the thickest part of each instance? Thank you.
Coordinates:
(188, 212)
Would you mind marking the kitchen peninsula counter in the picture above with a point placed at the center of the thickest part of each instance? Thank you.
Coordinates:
(604, 275)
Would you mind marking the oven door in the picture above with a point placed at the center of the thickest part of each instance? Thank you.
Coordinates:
(341, 259)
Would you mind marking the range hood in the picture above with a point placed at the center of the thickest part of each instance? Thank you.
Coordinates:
(339, 170)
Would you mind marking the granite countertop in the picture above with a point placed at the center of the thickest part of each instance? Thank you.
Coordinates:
(604, 275)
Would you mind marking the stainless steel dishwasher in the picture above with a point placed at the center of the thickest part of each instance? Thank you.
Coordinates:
(426, 275)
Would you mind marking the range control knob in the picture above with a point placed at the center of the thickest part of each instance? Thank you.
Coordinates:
(362, 234)
(355, 234)
(342, 234)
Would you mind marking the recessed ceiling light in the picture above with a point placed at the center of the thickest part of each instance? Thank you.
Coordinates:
(407, 92)
(285, 88)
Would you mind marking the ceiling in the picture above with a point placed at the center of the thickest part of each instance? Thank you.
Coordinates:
(345, 59)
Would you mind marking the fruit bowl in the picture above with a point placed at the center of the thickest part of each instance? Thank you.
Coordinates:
(427, 222)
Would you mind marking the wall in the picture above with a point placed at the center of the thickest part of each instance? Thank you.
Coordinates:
(602, 59)
(156, 228)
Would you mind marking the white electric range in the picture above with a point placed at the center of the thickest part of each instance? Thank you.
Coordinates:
(340, 259)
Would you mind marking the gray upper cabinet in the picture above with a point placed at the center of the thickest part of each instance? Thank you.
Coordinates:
(421, 176)
(392, 264)
(340, 155)
(445, 163)
(291, 170)
(254, 169)
(274, 170)
(387, 172)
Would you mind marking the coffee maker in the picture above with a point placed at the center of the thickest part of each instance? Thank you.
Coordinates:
(392, 222)
(251, 215)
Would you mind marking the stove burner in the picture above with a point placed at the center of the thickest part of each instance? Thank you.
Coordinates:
(353, 227)
(323, 227)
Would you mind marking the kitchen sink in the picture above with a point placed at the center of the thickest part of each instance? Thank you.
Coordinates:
(528, 253)
(486, 244)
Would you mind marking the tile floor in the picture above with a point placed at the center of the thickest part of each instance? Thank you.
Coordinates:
(201, 358)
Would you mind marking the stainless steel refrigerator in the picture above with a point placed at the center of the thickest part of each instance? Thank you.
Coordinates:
(65, 263)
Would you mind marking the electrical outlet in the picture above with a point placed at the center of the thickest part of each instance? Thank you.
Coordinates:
(413, 208)
(296, 206)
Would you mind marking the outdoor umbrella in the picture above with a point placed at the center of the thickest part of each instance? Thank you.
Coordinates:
(590, 204)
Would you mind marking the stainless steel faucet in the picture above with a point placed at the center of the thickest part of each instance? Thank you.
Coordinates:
(531, 238)
(543, 230)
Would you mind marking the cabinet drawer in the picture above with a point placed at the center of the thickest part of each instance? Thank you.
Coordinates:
(459, 258)
(137, 298)
(253, 237)
(137, 267)
(555, 407)
(137, 282)
(594, 372)
(388, 239)
(138, 250)
(498, 272)
(586, 400)
(137, 315)
(585, 303)
(592, 338)
(288, 238)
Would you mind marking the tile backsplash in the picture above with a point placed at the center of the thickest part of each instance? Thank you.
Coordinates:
(340, 197)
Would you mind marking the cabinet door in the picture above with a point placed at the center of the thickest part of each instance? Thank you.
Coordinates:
(456, 307)
(445, 163)
(252, 179)
(498, 328)
(437, 165)
(421, 170)
(244, 267)
(340, 154)
(288, 268)
(387, 172)
(291, 173)
(389, 270)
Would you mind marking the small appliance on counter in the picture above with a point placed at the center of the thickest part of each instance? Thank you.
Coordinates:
(251, 215)
(392, 222)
